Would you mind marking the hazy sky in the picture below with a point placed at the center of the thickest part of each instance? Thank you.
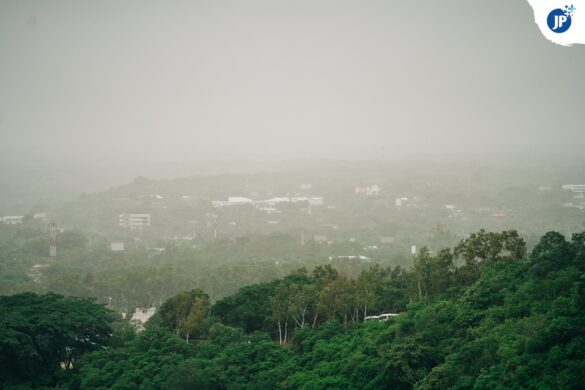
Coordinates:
(178, 81)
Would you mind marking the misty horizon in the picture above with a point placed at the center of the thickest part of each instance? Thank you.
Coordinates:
(180, 83)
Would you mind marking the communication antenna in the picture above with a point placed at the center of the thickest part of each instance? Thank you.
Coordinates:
(52, 239)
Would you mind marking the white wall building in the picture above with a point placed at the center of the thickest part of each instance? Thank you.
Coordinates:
(134, 221)
(239, 200)
(232, 201)
(13, 219)
(117, 247)
(41, 216)
(373, 190)
(141, 316)
(400, 201)
(576, 188)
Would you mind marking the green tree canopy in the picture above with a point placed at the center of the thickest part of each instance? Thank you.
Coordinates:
(42, 334)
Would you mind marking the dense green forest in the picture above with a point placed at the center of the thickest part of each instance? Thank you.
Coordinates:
(484, 315)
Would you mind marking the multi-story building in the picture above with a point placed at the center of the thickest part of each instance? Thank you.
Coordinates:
(134, 221)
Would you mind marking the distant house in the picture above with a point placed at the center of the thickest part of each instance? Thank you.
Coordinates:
(232, 201)
(373, 190)
(266, 203)
(134, 221)
(13, 219)
(141, 316)
(41, 216)
(351, 257)
(576, 188)
(117, 247)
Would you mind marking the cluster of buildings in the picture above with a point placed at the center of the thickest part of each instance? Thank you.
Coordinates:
(12, 219)
(578, 190)
(18, 219)
(267, 204)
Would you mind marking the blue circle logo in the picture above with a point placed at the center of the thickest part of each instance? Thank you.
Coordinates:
(559, 20)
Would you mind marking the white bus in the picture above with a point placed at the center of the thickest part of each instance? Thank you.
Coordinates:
(380, 317)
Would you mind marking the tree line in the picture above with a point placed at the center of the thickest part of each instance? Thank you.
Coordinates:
(310, 299)
(484, 315)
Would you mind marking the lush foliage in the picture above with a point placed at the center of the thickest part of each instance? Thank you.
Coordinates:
(39, 335)
(486, 315)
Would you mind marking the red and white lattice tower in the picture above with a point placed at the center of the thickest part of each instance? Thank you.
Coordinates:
(52, 239)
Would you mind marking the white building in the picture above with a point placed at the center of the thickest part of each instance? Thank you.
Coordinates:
(117, 247)
(266, 203)
(134, 221)
(41, 216)
(313, 201)
(232, 201)
(13, 219)
(400, 201)
(576, 188)
(373, 190)
(351, 257)
(141, 316)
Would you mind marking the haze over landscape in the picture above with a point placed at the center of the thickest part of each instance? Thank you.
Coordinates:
(146, 88)
(289, 194)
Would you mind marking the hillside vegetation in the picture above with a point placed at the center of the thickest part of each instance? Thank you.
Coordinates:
(485, 315)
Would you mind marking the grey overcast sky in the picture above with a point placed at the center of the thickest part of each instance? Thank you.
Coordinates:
(180, 81)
